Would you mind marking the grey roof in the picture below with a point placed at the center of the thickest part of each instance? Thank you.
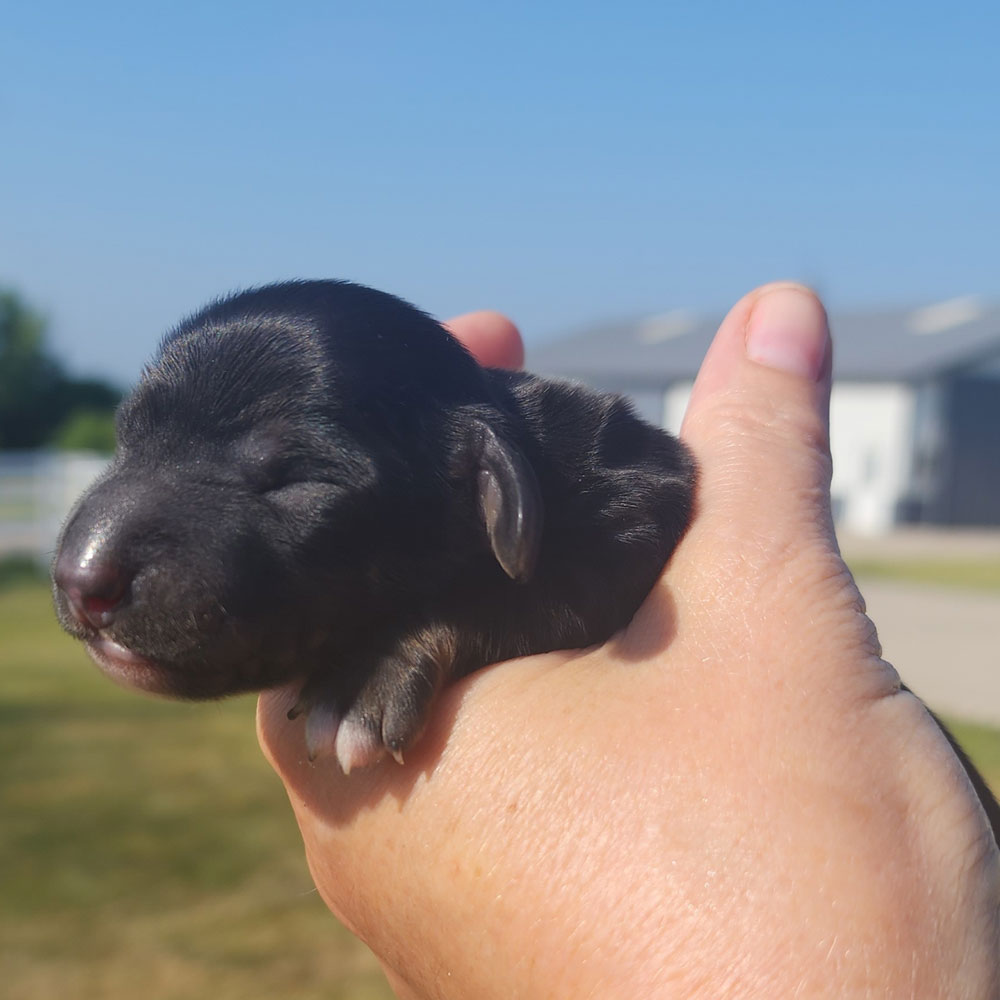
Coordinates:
(893, 344)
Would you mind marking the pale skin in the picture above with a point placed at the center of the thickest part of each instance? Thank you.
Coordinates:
(731, 798)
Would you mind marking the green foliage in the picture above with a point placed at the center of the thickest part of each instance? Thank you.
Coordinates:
(88, 430)
(36, 395)
(146, 849)
(19, 569)
(28, 376)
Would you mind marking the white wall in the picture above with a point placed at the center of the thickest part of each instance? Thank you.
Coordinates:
(872, 433)
(675, 404)
(871, 437)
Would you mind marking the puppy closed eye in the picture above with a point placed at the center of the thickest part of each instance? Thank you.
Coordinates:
(270, 463)
(292, 464)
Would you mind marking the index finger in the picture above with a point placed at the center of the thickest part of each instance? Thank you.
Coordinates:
(492, 338)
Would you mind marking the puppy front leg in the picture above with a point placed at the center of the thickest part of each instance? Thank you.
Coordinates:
(388, 709)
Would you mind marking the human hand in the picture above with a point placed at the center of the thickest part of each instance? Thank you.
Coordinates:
(731, 798)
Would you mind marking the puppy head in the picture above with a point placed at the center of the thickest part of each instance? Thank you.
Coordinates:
(260, 460)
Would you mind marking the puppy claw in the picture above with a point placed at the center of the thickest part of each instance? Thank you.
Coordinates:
(303, 703)
(356, 745)
(397, 754)
(322, 731)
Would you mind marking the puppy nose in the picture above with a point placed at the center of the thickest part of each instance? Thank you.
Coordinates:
(96, 589)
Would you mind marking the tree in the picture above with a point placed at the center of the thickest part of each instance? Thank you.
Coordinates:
(36, 395)
(87, 430)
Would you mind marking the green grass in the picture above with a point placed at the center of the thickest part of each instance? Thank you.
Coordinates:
(975, 574)
(982, 744)
(146, 849)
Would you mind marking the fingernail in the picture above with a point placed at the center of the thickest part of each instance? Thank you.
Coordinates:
(788, 331)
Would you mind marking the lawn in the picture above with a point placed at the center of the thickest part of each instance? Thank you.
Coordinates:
(970, 573)
(146, 849)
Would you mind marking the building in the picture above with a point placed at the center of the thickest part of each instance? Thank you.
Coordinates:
(915, 411)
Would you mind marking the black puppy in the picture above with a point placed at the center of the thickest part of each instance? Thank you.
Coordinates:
(314, 480)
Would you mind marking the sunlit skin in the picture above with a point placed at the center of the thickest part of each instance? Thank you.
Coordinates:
(732, 798)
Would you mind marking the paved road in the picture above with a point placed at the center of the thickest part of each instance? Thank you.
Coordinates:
(944, 642)
(923, 542)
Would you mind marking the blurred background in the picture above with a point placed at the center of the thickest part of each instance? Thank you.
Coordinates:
(611, 177)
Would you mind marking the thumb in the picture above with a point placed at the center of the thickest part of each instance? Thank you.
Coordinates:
(758, 420)
(761, 555)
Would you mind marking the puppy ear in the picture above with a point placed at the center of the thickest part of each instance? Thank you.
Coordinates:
(510, 503)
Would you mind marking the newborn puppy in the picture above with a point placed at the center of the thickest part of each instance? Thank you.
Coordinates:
(315, 481)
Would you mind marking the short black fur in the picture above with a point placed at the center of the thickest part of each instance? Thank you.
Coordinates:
(314, 480)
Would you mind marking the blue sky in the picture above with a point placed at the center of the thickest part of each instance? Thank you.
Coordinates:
(564, 162)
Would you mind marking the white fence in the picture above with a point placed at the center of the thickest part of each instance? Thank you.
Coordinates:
(37, 489)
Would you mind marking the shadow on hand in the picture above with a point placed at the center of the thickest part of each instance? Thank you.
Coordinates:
(322, 789)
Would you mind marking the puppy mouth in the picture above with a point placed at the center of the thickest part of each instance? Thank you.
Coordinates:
(197, 678)
(128, 668)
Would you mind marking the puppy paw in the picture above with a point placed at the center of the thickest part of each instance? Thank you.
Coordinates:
(390, 709)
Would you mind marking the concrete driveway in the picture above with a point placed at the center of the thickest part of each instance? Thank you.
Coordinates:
(945, 643)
